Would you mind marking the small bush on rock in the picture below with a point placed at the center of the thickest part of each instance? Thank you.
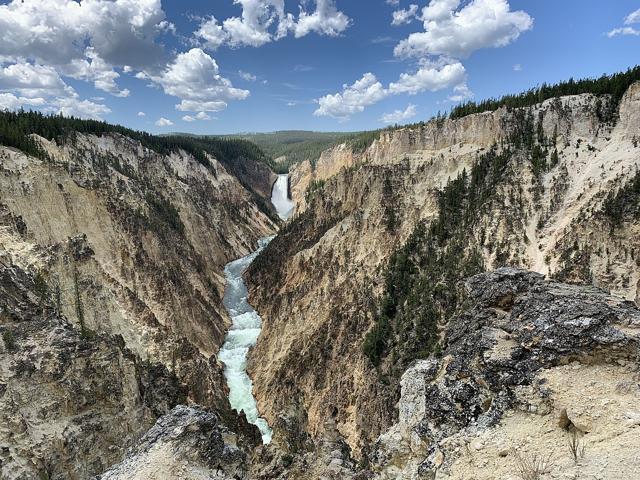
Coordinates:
(576, 446)
(9, 340)
(531, 467)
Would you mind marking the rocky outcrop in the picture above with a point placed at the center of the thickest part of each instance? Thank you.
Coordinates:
(630, 112)
(329, 457)
(330, 163)
(518, 329)
(188, 442)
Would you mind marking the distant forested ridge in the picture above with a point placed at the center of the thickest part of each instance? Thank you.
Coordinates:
(615, 85)
(296, 145)
(15, 128)
(237, 155)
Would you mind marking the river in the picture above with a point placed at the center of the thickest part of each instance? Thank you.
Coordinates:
(246, 323)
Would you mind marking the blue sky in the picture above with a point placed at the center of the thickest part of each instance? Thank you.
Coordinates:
(264, 65)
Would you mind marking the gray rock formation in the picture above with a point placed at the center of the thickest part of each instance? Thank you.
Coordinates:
(517, 325)
(188, 442)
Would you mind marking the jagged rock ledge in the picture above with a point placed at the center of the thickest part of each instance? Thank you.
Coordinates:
(188, 442)
(497, 353)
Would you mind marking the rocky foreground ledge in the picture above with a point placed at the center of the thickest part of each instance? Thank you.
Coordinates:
(188, 442)
(529, 366)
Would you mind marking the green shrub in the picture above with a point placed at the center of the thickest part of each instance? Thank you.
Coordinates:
(9, 339)
(314, 187)
(625, 203)
(164, 213)
(287, 460)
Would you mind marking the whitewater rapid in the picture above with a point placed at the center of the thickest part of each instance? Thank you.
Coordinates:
(243, 334)
(246, 323)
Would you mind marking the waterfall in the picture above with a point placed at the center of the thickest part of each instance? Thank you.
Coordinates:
(246, 323)
(280, 197)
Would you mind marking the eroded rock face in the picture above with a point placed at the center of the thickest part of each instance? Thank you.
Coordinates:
(313, 289)
(70, 403)
(630, 111)
(134, 243)
(145, 235)
(496, 353)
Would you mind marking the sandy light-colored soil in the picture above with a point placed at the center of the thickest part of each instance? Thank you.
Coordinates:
(604, 401)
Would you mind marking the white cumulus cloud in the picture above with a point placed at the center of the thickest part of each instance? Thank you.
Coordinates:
(461, 93)
(212, 33)
(624, 31)
(253, 27)
(45, 42)
(199, 116)
(398, 116)
(48, 40)
(163, 122)
(264, 21)
(429, 77)
(73, 106)
(8, 101)
(122, 32)
(32, 85)
(326, 19)
(194, 78)
(458, 32)
(95, 69)
(631, 19)
(353, 98)
(32, 80)
(400, 17)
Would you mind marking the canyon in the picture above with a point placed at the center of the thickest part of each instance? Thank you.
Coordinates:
(455, 299)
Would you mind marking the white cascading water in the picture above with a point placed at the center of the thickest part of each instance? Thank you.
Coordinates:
(246, 323)
(280, 197)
